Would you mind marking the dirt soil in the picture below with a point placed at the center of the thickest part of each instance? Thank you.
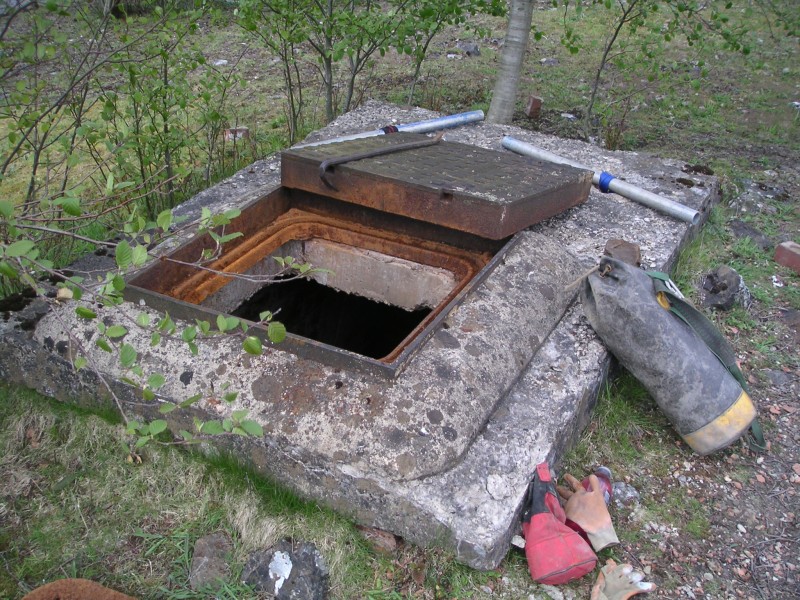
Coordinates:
(753, 545)
(750, 546)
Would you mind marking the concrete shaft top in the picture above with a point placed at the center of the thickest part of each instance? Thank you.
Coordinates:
(443, 454)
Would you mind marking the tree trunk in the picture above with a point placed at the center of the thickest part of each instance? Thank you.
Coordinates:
(327, 62)
(505, 88)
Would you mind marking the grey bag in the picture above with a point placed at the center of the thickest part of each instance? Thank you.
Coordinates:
(705, 403)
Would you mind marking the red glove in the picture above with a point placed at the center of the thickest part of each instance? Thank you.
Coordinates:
(556, 554)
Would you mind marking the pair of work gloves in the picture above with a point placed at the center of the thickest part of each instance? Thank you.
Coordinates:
(554, 546)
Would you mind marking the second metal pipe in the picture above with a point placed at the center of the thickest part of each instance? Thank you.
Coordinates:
(608, 183)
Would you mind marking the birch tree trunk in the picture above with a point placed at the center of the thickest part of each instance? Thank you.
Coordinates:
(505, 88)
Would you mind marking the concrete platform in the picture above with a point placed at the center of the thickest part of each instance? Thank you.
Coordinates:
(442, 454)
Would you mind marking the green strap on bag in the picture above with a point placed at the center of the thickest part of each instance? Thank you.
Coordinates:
(671, 299)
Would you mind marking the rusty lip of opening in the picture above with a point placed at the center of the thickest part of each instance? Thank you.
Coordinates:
(297, 224)
(179, 290)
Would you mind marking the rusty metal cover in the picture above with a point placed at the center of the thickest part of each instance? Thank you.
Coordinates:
(485, 192)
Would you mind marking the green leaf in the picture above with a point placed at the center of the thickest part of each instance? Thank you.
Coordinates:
(238, 415)
(265, 316)
(164, 219)
(167, 408)
(156, 380)
(252, 428)
(72, 206)
(104, 345)
(222, 323)
(127, 355)
(6, 209)
(109, 184)
(186, 435)
(189, 334)
(212, 428)
(227, 424)
(31, 282)
(80, 362)
(231, 322)
(116, 331)
(123, 255)
(231, 236)
(276, 331)
(142, 441)
(139, 256)
(158, 426)
(85, 313)
(7, 270)
(155, 339)
(193, 348)
(166, 324)
(143, 319)
(230, 397)
(204, 326)
(118, 283)
(148, 395)
(252, 345)
(191, 400)
(19, 248)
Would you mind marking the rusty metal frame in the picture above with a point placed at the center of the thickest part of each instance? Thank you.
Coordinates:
(179, 290)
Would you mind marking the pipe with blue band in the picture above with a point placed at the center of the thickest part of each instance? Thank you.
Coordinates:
(605, 179)
(608, 183)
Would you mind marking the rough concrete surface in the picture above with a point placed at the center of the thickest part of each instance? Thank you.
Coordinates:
(414, 426)
(443, 454)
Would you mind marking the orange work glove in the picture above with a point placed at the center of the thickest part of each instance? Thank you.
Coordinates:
(588, 510)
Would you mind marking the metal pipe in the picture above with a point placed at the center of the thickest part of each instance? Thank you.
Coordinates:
(436, 124)
(445, 122)
(608, 183)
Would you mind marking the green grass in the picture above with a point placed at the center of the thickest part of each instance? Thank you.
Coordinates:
(73, 505)
(626, 427)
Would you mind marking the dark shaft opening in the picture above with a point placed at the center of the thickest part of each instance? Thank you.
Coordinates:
(346, 321)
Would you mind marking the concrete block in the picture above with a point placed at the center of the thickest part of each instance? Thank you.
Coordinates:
(442, 455)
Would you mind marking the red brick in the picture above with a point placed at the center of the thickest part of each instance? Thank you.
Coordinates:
(534, 107)
(788, 255)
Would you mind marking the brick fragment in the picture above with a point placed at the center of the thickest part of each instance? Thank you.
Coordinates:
(624, 251)
(788, 255)
(534, 108)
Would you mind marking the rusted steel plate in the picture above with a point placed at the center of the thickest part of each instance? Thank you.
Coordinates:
(484, 192)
